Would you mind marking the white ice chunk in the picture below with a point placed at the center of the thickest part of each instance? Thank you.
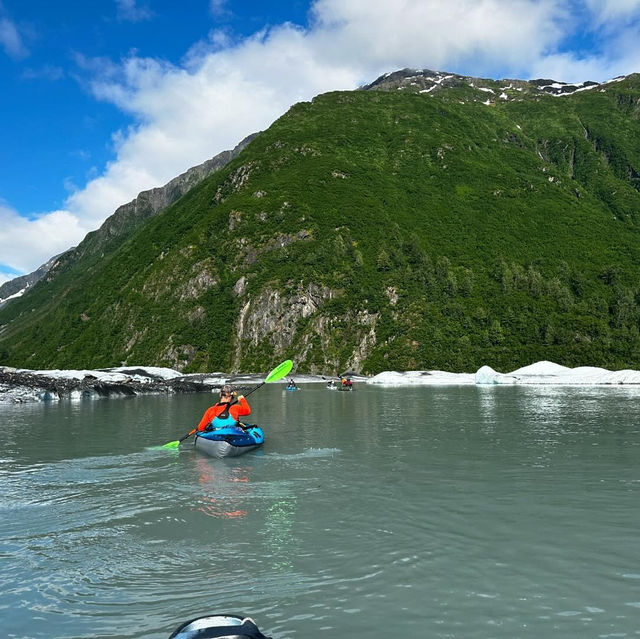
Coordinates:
(420, 378)
(486, 375)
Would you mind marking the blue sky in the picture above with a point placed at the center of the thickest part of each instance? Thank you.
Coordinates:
(106, 98)
(54, 132)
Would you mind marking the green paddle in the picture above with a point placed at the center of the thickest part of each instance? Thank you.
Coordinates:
(277, 373)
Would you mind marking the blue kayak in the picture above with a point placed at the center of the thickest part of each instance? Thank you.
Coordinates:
(229, 441)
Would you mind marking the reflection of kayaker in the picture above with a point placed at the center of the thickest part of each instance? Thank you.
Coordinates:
(225, 489)
(221, 626)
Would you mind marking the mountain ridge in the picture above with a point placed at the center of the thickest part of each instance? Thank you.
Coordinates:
(426, 81)
(124, 220)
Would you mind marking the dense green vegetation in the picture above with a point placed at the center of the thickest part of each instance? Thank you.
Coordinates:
(414, 231)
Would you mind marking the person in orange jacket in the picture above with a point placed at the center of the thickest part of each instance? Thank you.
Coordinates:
(226, 412)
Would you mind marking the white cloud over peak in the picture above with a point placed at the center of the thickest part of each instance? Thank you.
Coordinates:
(11, 40)
(227, 88)
(436, 34)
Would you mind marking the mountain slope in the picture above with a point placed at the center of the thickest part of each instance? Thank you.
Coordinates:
(378, 229)
(118, 226)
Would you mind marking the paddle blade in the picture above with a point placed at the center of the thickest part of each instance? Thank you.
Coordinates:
(171, 445)
(279, 371)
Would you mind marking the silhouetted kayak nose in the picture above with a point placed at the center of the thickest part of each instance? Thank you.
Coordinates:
(218, 626)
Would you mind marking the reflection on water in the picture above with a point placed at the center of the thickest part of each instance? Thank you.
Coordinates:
(225, 489)
(279, 541)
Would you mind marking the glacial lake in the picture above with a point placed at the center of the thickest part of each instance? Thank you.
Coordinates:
(434, 512)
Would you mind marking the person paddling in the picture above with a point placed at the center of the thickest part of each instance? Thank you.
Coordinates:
(226, 412)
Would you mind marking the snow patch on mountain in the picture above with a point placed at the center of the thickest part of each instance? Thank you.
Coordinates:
(426, 81)
(10, 297)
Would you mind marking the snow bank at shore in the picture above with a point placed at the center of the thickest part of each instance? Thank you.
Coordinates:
(421, 378)
(121, 374)
(547, 373)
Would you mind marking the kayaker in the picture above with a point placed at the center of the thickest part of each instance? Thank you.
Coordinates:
(227, 411)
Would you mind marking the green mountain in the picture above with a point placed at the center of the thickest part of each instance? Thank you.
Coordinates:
(426, 221)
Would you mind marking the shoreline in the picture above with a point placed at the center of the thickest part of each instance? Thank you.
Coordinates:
(25, 386)
(20, 386)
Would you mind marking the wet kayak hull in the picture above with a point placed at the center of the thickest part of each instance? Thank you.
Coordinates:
(229, 442)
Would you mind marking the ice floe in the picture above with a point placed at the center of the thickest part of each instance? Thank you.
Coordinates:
(546, 373)
(421, 378)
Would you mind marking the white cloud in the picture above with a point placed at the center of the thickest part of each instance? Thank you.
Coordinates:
(217, 7)
(49, 72)
(226, 89)
(130, 11)
(436, 34)
(607, 10)
(25, 243)
(613, 26)
(11, 40)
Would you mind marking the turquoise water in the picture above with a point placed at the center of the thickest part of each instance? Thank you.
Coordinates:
(430, 512)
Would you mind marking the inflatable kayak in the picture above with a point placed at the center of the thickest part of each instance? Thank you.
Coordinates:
(221, 626)
(229, 441)
(292, 388)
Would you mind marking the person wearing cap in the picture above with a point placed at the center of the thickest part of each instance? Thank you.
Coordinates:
(227, 411)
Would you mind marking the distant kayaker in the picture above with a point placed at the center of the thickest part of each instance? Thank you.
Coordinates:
(292, 384)
(227, 411)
